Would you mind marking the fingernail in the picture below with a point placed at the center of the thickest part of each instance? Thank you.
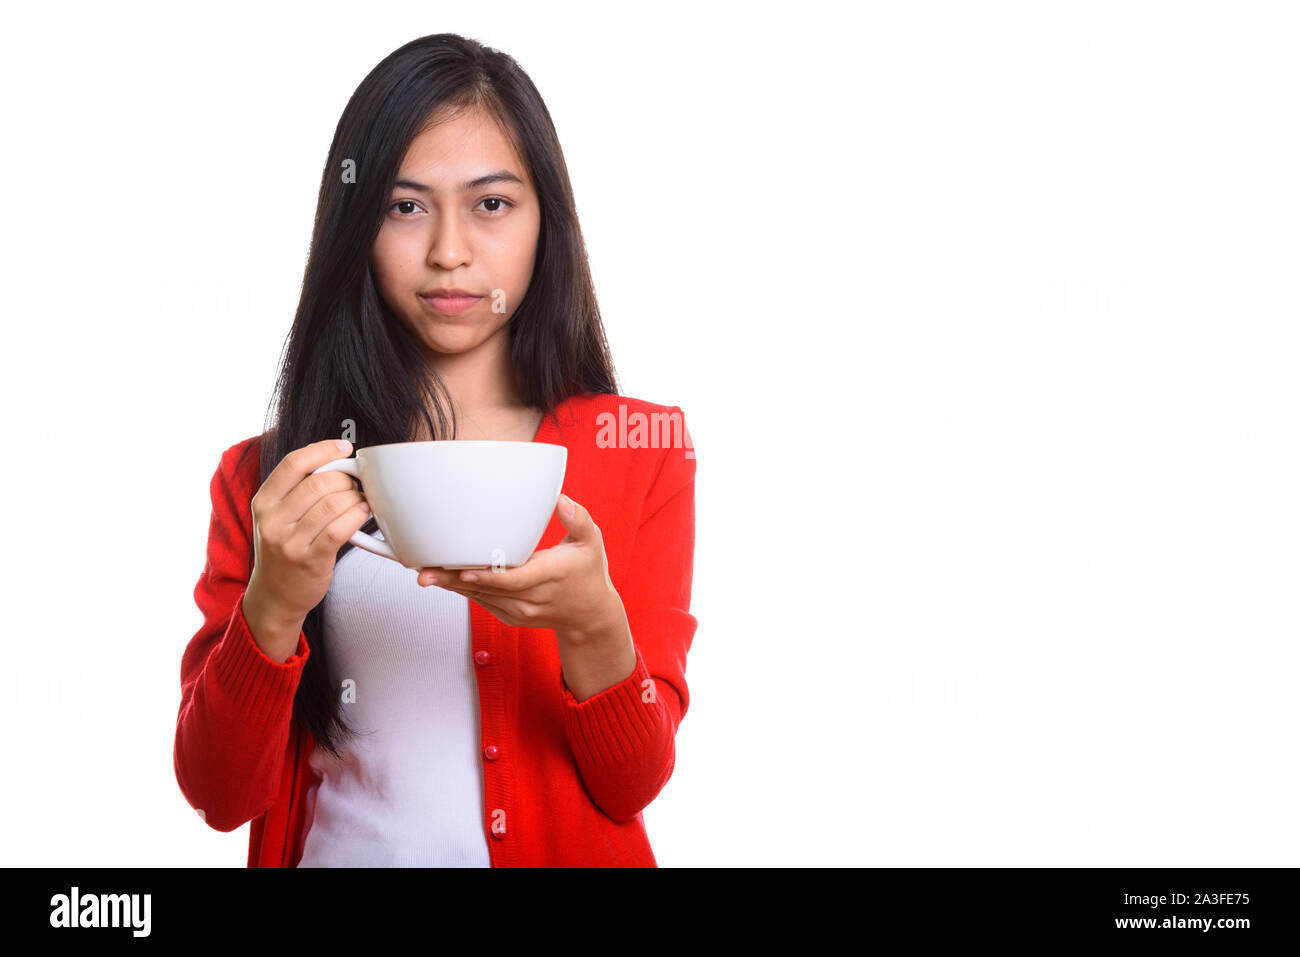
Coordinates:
(343, 444)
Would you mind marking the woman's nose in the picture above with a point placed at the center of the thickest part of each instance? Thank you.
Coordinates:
(450, 246)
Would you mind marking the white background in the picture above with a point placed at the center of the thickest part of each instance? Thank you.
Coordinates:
(982, 315)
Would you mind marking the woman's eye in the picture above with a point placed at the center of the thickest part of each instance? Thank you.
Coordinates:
(407, 207)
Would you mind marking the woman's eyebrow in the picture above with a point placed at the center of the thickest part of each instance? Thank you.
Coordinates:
(496, 176)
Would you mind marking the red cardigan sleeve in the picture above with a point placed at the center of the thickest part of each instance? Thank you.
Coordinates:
(236, 703)
(623, 737)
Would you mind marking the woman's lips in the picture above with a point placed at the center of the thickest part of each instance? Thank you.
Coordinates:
(450, 305)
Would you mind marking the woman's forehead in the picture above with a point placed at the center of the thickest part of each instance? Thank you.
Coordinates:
(462, 152)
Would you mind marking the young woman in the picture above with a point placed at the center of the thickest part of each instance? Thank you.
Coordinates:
(359, 713)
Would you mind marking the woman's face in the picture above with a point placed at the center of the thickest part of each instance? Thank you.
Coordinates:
(463, 214)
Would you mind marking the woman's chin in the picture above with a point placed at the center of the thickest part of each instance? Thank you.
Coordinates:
(447, 342)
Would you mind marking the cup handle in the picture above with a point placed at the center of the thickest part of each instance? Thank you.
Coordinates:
(359, 538)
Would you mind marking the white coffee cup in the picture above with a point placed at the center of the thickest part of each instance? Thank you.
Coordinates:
(457, 503)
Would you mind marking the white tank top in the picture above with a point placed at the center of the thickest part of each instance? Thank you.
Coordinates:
(410, 792)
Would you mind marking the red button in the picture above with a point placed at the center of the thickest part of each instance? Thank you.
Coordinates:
(482, 657)
(491, 752)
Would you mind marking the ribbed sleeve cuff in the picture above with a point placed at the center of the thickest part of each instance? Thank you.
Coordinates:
(260, 689)
(615, 726)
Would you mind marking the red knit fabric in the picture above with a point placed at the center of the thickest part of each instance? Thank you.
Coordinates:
(570, 779)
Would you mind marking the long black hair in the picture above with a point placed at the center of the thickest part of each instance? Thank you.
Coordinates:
(349, 365)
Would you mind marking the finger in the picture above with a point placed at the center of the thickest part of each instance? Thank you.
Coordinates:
(333, 535)
(296, 466)
(576, 520)
(500, 610)
(539, 568)
(473, 589)
(295, 506)
(475, 593)
(510, 609)
(321, 514)
(530, 597)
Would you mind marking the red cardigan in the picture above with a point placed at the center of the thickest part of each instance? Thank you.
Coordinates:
(569, 779)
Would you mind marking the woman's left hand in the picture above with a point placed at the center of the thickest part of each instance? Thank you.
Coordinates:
(565, 587)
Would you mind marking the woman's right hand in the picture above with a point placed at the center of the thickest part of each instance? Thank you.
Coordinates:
(300, 521)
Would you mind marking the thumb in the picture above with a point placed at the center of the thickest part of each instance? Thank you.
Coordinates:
(575, 519)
